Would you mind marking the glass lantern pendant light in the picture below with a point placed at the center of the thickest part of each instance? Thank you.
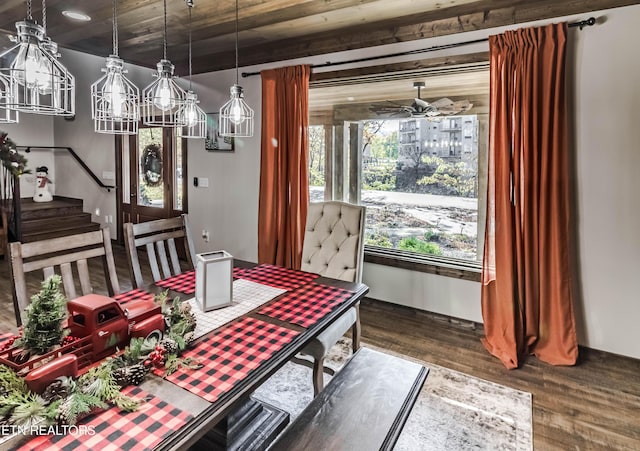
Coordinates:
(114, 99)
(7, 115)
(39, 84)
(236, 117)
(194, 118)
(163, 99)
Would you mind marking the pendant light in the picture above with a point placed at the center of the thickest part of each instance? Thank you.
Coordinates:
(114, 99)
(236, 117)
(191, 114)
(39, 84)
(163, 99)
(7, 115)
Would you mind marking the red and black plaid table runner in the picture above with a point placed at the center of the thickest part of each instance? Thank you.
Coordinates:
(116, 430)
(182, 283)
(134, 295)
(229, 356)
(306, 305)
(275, 276)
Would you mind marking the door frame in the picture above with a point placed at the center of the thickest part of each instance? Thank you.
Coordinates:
(168, 171)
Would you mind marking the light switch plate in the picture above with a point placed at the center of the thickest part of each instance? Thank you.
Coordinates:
(203, 182)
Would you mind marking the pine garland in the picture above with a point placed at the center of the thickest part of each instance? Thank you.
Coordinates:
(66, 400)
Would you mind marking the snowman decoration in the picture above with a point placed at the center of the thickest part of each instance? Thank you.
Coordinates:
(42, 193)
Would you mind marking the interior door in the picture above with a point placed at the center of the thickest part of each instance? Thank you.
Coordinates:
(152, 173)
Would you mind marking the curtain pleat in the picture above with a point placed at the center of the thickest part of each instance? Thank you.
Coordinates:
(527, 299)
(284, 173)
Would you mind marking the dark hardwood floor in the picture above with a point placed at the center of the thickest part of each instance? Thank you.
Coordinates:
(592, 406)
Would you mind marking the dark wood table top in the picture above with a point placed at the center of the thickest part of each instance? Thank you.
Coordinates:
(207, 415)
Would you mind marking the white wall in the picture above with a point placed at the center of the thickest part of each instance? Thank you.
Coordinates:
(607, 98)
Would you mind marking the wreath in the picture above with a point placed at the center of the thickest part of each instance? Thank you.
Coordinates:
(152, 164)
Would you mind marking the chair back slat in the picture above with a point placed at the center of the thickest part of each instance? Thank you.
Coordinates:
(46, 255)
(67, 280)
(60, 259)
(47, 272)
(175, 262)
(159, 239)
(162, 255)
(83, 275)
(132, 254)
(153, 262)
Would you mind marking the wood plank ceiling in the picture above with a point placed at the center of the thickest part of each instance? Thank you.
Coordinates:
(273, 30)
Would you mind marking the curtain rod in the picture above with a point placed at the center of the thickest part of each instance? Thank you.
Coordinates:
(581, 24)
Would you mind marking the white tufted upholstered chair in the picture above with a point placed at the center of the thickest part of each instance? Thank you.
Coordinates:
(334, 247)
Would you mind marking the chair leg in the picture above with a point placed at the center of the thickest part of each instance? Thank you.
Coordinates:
(356, 331)
(318, 381)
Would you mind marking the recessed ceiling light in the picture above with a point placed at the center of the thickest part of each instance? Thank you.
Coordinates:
(75, 15)
(351, 99)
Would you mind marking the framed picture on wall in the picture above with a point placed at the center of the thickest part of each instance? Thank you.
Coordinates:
(213, 142)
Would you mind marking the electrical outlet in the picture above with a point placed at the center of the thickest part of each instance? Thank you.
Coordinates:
(205, 236)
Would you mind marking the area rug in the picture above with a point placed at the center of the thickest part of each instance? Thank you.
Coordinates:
(454, 411)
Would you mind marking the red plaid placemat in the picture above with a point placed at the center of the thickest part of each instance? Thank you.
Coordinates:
(230, 355)
(278, 277)
(306, 305)
(115, 430)
(183, 283)
(134, 295)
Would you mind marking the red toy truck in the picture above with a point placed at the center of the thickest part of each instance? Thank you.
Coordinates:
(101, 324)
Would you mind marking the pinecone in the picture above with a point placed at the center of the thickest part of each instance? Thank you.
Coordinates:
(169, 345)
(55, 391)
(63, 416)
(120, 376)
(189, 337)
(136, 374)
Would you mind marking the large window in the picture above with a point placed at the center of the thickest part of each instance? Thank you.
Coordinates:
(420, 177)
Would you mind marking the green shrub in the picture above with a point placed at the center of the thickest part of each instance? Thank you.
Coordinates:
(414, 244)
(380, 240)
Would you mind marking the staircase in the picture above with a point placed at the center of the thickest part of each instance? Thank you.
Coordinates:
(61, 217)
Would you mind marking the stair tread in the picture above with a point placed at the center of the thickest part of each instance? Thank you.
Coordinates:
(30, 237)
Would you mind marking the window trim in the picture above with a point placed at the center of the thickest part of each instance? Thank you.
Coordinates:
(442, 266)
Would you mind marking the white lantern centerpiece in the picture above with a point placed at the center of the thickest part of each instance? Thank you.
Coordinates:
(214, 280)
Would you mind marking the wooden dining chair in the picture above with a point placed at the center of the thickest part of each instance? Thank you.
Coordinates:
(334, 247)
(159, 239)
(61, 253)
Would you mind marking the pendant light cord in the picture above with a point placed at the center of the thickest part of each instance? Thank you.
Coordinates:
(44, 16)
(115, 28)
(29, 10)
(165, 30)
(237, 79)
(190, 5)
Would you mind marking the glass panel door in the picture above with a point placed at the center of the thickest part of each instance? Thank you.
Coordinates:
(151, 181)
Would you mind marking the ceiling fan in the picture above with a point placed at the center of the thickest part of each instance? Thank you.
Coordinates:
(421, 108)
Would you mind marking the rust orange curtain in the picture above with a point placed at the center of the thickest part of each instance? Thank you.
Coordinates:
(527, 299)
(284, 172)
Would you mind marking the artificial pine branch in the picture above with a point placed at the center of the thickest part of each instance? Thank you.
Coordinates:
(43, 329)
(10, 382)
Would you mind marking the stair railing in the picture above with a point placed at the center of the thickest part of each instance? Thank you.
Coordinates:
(27, 149)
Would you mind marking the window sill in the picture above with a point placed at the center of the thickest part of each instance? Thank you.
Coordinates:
(442, 266)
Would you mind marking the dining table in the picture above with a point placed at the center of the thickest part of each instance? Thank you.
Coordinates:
(275, 313)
